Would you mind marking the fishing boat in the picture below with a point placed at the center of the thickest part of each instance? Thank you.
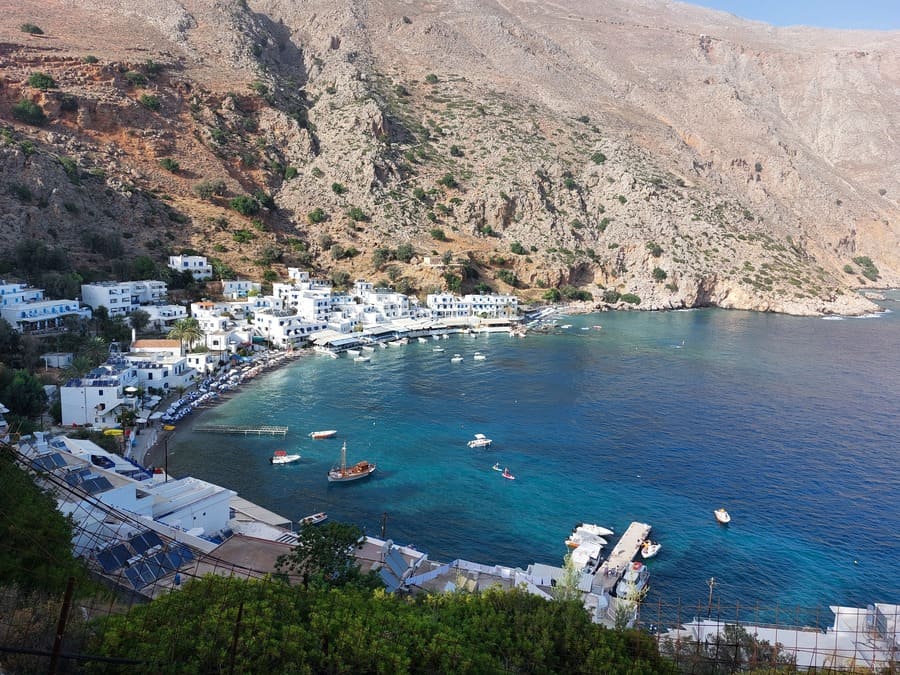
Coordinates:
(649, 549)
(506, 474)
(343, 473)
(323, 434)
(722, 516)
(633, 583)
(282, 457)
(314, 519)
(480, 441)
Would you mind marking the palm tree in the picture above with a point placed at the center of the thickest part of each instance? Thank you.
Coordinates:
(188, 331)
(78, 367)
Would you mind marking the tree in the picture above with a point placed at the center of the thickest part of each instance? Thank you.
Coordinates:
(24, 394)
(245, 205)
(42, 81)
(29, 112)
(187, 331)
(324, 554)
(139, 319)
(10, 341)
(79, 365)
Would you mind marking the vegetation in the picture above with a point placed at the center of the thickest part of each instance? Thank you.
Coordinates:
(29, 112)
(654, 248)
(187, 331)
(150, 102)
(868, 268)
(170, 164)
(41, 81)
(431, 78)
(357, 214)
(317, 215)
(31, 29)
(208, 189)
(338, 188)
(611, 296)
(438, 234)
(659, 274)
(631, 299)
(517, 248)
(136, 79)
(448, 181)
(598, 158)
(245, 205)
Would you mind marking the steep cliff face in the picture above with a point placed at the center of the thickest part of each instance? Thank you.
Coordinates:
(651, 150)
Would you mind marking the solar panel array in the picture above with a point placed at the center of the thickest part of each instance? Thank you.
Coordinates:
(48, 462)
(138, 568)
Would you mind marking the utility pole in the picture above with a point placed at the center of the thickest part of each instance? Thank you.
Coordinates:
(711, 582)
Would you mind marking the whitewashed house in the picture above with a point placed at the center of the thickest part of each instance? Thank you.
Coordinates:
(197, 265)
(26, 310)
(239, 288)
(95, 399)
(283, 328)
(450, 306)
(447, 306)
(123, 297)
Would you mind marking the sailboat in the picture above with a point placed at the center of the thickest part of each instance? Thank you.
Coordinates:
(344, 473)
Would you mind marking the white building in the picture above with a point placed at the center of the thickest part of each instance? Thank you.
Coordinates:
(123, 297)
(197, 265)
(283, 328)
(239, 288)
(450, 306)
(447, 306)
(26, 310)
(164, 316)
(96, 399)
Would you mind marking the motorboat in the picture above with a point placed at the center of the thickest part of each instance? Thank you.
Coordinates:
(634, 582)
(722, 516)
(438, 349)
(649, 549)
(282, 457)
(362, 359)
(456, 358)
(329, 433)
(368, 348)
(478, 356)
(480, 441)
(507, 475)
(596, 530)
(586, 556)
(422, 339)
(353, 352)
(314, 519)
(342, 473)
(580, 537)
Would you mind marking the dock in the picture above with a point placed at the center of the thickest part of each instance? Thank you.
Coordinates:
(608, 574)
(264, 430)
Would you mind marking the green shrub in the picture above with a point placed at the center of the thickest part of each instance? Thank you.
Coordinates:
(245, 205)
(317, 215)
(431, 78)
(89, 59)
(868, 268)
(290, 172)
(135, 79)
(150, 102)
(611, 296)
(70, 166)
(419, 194)
(598, 158)
(659, 274)
(243, 236)
(455, 151)
(848, 269)
(447, 180)
(169, 164)
(207, 189)
(631, 299)
(570, 183)
(357, 214)
(508, 277)
(552, 295)
(31, 29)
(29, 112)
(317, 172)
(338, 189)
(41, 81)
(438, 234)
(517, 248)
(622, 199)
(654, 248)
(584, 119)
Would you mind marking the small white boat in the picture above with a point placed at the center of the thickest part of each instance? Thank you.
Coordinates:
(422, 339)
(480, 441)
(596, 530)
(478, 356)
(382, 345)
(362, 359)
(649, 549)
(314, 519)
(353, 352)
(722, 516)
(438, 350)
(368, 348)
(282, 457)
(456, 358)
(323, 434)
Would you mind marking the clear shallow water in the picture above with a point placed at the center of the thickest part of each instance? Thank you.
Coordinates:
(790, 423)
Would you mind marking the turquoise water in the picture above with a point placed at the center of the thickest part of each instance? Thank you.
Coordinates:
(789, 423)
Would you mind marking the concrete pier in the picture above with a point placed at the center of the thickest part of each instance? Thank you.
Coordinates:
(611, 570)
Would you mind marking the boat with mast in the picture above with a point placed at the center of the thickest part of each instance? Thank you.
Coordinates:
(343, 473)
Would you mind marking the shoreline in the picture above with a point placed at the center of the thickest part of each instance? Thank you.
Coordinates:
(154, 455)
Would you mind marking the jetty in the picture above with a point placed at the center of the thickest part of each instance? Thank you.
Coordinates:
(611, 570)
(264, 430)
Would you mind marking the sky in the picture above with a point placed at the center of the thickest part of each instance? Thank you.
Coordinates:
(862, 14)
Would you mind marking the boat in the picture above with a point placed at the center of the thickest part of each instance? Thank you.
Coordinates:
(368, 348)
(456, 358)
(588, 534)
(282, 457)
(362, 359)
(722, 516)
(478, 356)
(343, 473)
(506, 474)
(649, 549)
(354, 352)
(314, 519)
(422, 339)
(480, 441)
(438, 349)
(634, 581)
(323, 434)
(496, 466)
(596, 530)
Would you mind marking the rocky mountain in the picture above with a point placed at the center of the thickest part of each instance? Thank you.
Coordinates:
(651, 153)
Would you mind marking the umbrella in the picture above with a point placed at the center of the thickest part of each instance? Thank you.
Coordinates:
(156, 416)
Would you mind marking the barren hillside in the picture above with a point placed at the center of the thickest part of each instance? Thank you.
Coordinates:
(651, 150)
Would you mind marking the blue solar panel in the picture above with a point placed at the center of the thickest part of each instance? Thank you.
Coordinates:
(152, 538)
(174, 559)
(135, 578)
(120, 553)
(108, 561)
(145, 573)
(164, 561)
(391, 582)
(184, 553)
(139, 543)
(154, 568)
(394, 560)
(96, 485)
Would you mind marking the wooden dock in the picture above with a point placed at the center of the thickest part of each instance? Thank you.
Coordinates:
(608, 574)
(264, 430)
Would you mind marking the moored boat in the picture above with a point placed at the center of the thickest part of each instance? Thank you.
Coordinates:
(480, 441)
(456, 358)
(634, 582)
(328, 433)
(649, 549)
(362, 359)
(282, 457)
(506, 474)
(722, 516)
(343, 473)
(478, 356)
(314, 519)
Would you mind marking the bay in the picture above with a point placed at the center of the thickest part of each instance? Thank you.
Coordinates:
(789, 423)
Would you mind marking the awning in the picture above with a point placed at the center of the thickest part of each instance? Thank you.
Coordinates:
(141, 420)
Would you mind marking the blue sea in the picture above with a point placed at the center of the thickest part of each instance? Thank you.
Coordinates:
(789, 423)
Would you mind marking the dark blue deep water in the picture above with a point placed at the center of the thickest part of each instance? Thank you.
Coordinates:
(789, 423)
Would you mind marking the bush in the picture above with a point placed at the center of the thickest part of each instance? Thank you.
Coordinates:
(552, 295)
(431, 78)
(70, 166)
(598, 158)
(150, 102)
(169, 164)
(317, 215)
(848, 269)
(265, 199)
(338, 189)
(243, 236)
(622, 199)
(90, 59)
(207, 189)
(41, 81)
(868, 268)
(508, 277)
(357, 214)
(654, 248)
(447, 180)
(31, 29)
(659, 274)
(438, 234)
(570, 183)
(29, 112)
(245, 205)
(455, 151)
(517, 248)
(631, 299)
(135, 79)
(290, 172)
(611, 296)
